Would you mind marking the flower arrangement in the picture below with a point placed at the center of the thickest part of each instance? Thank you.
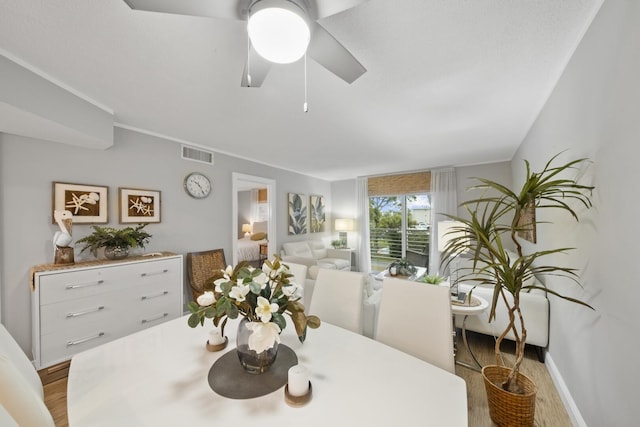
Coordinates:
(263, 297)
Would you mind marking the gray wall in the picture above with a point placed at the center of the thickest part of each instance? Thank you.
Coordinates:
(29, 166)
(593, 112)
(343, 197)
(465, 178)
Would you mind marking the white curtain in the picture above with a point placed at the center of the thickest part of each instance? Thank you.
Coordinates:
(362, 216)
(444, 200)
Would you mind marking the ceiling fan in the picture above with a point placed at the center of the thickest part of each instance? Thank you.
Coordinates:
(322, 46)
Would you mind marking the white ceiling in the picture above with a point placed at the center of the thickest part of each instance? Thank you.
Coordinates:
(449, 82)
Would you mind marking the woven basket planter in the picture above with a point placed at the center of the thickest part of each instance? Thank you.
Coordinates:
(505, 408)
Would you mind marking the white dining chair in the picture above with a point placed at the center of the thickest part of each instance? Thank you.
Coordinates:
(299, 272)
(416, 318)
(21, 392)
(338, 298)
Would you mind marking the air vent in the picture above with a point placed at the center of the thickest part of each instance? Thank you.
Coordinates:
(197, 154)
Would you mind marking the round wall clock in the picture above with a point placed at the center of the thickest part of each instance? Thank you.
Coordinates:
(197, 185)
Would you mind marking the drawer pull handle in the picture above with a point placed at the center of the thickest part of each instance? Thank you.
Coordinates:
(81, 340)
(82, 313)
(163, 315)
(160, 294)
(154, 273)
(82, 285)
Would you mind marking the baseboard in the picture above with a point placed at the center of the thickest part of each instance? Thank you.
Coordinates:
(565, 395)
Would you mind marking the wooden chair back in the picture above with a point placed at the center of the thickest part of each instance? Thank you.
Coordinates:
(202, 267)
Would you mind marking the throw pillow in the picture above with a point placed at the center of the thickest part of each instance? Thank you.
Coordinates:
(259, 236)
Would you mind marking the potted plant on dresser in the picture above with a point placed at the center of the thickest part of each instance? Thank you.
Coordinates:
(492, 221)
(116, 242)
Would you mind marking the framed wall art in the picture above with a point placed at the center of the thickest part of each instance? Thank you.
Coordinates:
(297, 214)
(138, 206)
(316, 207)
(87, 203)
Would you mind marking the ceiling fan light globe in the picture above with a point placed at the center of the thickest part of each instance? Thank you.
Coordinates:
(279, 34)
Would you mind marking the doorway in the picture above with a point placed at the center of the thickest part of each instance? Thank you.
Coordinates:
(242, 183)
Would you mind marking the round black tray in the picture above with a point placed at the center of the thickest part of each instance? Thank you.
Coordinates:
(229, 379)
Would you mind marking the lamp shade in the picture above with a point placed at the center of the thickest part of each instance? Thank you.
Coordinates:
(278, 30)
(246, 228)
(343, 224)
(447, 231)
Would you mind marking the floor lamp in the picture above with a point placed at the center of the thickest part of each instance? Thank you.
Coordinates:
(448, 231)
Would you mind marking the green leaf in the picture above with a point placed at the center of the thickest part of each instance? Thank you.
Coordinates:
(255, 288)
(193, 306)
(193, 320)
(233, 312)
(210, 312)
(279, 320)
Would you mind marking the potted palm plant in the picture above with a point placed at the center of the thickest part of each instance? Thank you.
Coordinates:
(116, 242)
(494, 220)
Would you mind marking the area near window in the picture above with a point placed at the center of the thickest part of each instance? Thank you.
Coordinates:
(399, 219)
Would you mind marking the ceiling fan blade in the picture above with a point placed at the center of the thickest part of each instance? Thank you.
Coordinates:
(228, 9)
(259, 69)
(326, 8)
(329, 53)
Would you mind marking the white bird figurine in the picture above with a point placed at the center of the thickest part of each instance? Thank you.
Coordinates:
(61, 238)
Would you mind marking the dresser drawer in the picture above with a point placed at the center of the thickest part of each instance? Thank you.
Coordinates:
(96, 309)
(78, 284)
(76, 309)
(160, 269)
(63, 344)
(61, 286)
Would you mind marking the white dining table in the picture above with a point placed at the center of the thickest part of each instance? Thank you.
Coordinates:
(158, 377)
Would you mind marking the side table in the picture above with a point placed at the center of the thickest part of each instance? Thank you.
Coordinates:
(470, 307)
(354, 266)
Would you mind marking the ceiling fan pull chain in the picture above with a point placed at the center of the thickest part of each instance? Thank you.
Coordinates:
(305, 106)
(248, 60)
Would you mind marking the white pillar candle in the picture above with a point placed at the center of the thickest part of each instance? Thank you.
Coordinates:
(215, 337)
(298, 380)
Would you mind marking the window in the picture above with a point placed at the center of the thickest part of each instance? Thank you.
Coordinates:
(399, 228)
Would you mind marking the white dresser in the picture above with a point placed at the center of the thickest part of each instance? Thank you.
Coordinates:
(80, 307)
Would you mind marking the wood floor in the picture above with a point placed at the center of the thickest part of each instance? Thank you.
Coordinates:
(55, 397)
(550, 411)
(549, 408)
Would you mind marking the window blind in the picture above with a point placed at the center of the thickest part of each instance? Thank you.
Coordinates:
(410, 183)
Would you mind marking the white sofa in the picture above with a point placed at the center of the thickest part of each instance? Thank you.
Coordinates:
(314, 254)
(535, 311)
(21, 392)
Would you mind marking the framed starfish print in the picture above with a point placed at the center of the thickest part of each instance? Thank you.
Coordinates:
(87, 203)
(138, 206)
